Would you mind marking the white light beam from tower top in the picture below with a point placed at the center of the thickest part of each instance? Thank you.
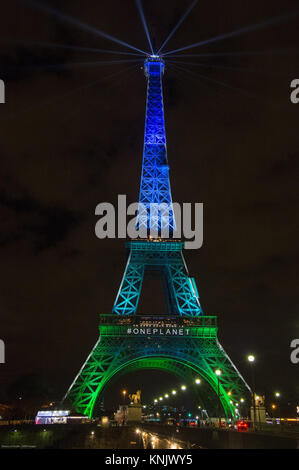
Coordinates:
(68, 47)
(178, 25)
(254, 27)
(141, 12)
(85, 27)
(239, 53)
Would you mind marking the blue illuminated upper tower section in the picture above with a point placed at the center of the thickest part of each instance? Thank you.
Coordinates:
(155, 212)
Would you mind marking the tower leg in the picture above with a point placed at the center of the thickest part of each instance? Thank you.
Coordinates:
(168, 258)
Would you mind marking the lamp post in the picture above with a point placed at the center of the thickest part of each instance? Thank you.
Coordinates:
(277, 395)
(251, 360)
(124, 393)
(218, 373)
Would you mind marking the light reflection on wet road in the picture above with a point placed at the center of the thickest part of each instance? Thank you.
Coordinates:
(150, 440)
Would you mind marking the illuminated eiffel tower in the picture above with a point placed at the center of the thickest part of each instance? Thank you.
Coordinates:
(182, 340)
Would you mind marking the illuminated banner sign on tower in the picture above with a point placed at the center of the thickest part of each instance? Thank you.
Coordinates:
(164, 331)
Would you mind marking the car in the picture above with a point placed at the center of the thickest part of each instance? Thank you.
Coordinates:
(192, 424)
(243, 425)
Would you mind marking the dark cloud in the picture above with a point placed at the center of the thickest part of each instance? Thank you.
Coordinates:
(43, 227)
(24, 64)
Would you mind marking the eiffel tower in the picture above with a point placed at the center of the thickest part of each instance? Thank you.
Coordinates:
(182, 340)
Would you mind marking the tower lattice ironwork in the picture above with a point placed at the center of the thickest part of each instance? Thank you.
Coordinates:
(182, 340)
(155, 204)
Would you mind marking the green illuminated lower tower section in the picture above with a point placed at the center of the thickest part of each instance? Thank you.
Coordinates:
(183, 340)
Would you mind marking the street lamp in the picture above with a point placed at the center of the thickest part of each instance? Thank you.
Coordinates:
(218, 373)
(173, 392)
(274, 409)
(277, 395)
(183, 387)
(251, 360)
(197, 381)
(124, 392)
(166, 395)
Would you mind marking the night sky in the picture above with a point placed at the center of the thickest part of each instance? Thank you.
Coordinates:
(71, 137)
